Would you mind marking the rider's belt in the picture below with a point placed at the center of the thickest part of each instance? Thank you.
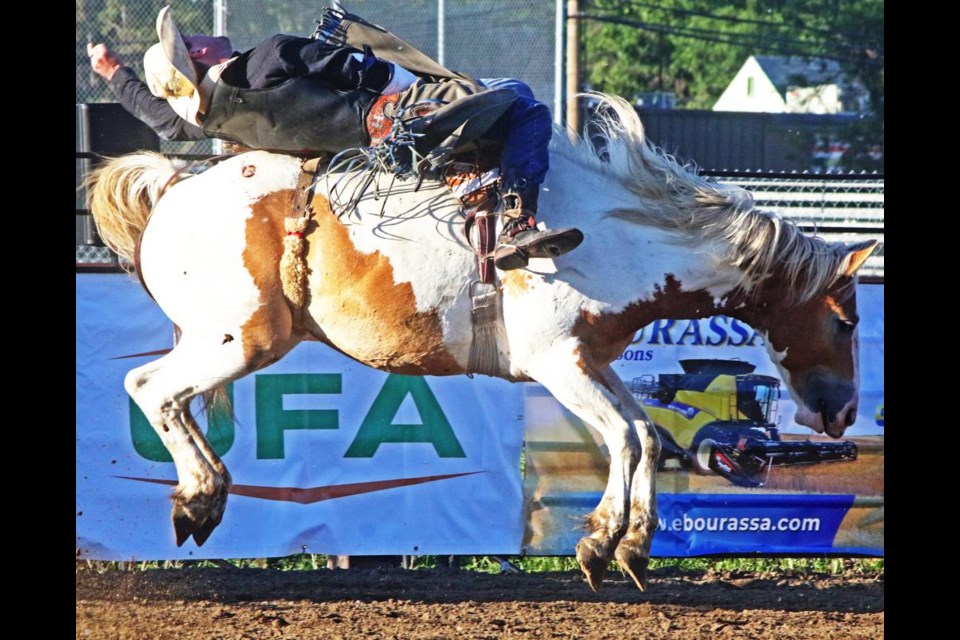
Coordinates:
(380, 118)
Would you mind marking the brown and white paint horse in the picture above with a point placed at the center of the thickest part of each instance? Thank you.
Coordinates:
(391, 291)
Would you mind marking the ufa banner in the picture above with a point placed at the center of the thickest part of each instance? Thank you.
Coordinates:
(327, 455)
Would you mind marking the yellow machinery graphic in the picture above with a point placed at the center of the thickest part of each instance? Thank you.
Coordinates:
(717, 416)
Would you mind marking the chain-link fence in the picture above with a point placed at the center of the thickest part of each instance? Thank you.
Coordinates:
(482, 38)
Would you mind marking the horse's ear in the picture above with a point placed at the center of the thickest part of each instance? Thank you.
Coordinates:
(857, 254)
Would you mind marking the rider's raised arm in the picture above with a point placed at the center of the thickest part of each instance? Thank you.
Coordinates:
(345, 68)
(136, 98)
(155, 112)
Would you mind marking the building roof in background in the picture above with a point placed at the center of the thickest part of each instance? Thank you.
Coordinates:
(785, 72)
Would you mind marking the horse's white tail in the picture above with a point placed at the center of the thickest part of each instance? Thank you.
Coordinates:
(122, 193)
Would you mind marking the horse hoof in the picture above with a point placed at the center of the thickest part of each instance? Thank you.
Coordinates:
(182, 526)
(592, 562)
(199, 514)
(185, 525)
(203, 531)
(633, 563)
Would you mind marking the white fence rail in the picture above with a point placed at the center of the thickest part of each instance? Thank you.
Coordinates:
(838, 209)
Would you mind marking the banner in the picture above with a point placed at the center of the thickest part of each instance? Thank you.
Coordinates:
(327, 455)
(738, 475)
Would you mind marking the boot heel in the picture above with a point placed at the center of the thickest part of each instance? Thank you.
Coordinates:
(508, 257)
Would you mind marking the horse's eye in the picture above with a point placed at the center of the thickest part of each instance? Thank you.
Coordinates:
(846, 325)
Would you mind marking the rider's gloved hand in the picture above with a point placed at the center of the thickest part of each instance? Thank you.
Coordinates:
(103, 61)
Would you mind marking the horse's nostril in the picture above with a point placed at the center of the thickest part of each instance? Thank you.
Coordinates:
(851, 416)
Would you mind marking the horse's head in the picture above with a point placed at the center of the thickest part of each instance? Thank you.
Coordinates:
(815, 343)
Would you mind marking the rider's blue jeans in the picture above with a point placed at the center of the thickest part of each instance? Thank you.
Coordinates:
(525, 131)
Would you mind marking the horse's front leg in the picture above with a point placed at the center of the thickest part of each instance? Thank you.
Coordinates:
(633, 552)
(584, 390)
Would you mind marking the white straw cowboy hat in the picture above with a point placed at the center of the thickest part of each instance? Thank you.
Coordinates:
(169, 71)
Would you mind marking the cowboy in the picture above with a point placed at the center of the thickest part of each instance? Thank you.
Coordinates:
(302, 94)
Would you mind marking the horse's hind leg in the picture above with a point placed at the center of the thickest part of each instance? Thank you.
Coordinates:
(163, 390)
(185, 524)
(633, 552)
(586, 391)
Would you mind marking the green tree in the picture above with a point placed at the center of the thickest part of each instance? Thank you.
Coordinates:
(694, 48)
(636, 47)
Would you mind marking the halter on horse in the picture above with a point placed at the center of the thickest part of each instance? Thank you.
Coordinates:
(392, 291)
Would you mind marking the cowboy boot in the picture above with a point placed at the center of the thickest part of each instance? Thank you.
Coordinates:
(520, 239)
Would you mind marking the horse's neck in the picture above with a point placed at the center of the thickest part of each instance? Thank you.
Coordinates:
(641, 256)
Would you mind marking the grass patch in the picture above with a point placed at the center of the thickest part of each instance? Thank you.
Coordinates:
(530, 564)
(832, 566)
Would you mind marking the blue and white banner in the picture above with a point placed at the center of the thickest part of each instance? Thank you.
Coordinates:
(699, 524)
(327, 456)
(818, 495)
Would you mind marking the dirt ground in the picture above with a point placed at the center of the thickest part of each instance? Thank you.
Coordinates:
(234, 604)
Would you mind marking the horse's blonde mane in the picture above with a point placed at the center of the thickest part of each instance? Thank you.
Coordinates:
(674, 197)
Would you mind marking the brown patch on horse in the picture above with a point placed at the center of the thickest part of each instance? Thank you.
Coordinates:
(267, 333)
(606, 335)
(363, 312)
(516, 281)
(583, 359)
(588, 366)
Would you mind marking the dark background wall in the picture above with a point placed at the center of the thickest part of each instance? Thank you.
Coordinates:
(718, 141)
